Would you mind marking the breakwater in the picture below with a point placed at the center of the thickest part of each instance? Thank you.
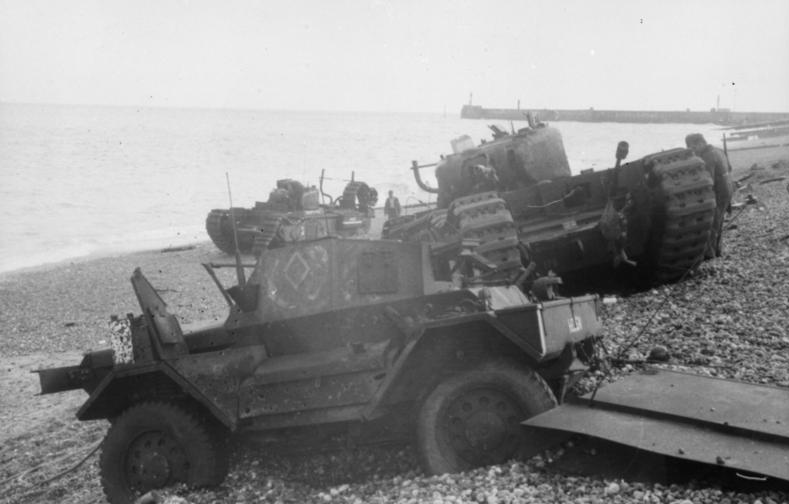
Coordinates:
(714, 116)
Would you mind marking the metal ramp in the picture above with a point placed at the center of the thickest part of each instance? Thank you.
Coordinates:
(727, 423)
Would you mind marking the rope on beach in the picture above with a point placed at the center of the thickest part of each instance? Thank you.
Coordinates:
(49, 462)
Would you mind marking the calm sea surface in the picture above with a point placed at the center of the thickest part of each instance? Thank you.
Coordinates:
(80, 180)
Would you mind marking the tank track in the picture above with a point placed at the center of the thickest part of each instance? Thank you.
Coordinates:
(429, 226)
(437, 229)
(485, 217)
(220, 230)
(268, 231)
(686, 191)
(213, 226)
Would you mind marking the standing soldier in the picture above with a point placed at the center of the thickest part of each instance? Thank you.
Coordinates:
(720, 169)
(392, 207)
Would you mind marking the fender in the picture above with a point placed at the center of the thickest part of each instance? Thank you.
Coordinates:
(541, 331)
(111, 396)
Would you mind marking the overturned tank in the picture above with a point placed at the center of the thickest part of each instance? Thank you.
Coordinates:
(516, 196)
(292, 213)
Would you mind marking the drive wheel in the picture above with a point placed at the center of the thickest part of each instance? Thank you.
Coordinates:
(156, 444)
(473, 418)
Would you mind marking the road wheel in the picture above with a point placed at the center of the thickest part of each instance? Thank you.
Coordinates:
(156, 444)
(473, 418)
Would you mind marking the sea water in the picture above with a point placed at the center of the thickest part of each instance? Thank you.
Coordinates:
(87, 180)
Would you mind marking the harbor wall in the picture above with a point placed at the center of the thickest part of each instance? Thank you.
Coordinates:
(714, 116)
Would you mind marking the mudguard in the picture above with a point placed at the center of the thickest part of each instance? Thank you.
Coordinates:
(211, 379)
(542, 331)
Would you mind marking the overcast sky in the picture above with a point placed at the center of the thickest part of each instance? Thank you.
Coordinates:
(397, 55)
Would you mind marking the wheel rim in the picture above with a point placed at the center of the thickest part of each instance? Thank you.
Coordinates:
(481, 426)
(154, 460)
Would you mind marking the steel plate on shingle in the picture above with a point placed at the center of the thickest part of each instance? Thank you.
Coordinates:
(708, 420)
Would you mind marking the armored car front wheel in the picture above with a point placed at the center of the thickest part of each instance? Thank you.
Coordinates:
(473, 418)
(156, 444)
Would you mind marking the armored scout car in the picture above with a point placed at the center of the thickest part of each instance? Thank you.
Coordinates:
(332, 331)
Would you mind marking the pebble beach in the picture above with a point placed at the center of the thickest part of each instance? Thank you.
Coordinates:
(727, 319)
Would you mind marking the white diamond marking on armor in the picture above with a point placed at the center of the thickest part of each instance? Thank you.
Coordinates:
(296, 270)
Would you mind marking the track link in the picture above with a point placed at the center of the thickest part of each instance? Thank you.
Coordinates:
(687, 192)
(268, 231)
(214, 223)
(485, 217)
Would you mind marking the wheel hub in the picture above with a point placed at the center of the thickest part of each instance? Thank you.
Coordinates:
(485, 430)
(154, 460)
(481, 426)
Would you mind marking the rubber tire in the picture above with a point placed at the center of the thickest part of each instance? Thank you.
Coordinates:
(202, 443)
(527, 392)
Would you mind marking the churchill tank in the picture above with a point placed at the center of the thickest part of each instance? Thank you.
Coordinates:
(293, 212)
(648, 220)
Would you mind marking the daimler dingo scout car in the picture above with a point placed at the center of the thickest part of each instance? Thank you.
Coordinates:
(337, 331)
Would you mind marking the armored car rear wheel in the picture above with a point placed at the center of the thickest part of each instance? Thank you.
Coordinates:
(473, 418)
(156, 444)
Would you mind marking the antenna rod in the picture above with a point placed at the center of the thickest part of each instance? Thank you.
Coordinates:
(239, 267)
(323, 194)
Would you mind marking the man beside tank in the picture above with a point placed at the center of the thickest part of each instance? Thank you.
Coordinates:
(392, 207)
(720, 170)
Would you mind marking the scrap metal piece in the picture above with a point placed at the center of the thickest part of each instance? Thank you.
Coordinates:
(708, 420)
